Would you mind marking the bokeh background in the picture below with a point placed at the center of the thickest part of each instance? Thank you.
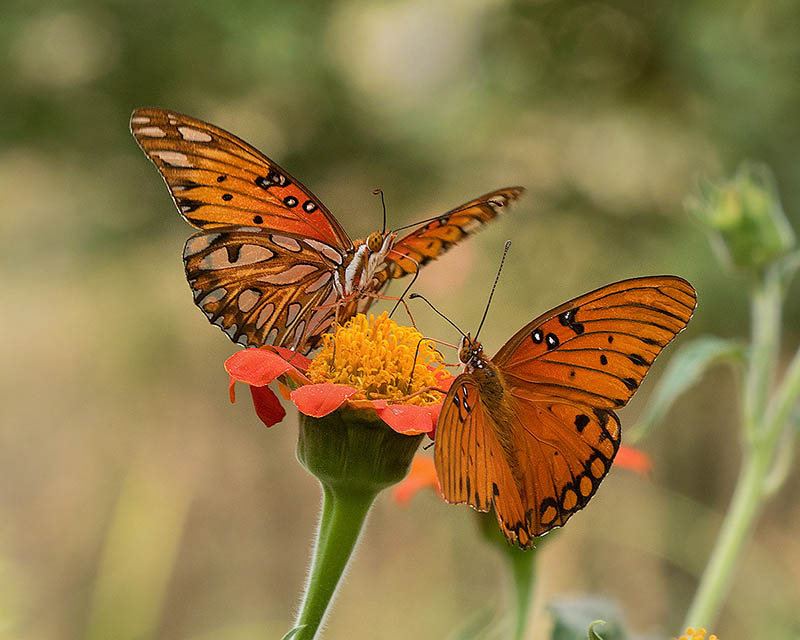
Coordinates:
(136, 502)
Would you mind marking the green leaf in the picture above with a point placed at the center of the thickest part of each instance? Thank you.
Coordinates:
(684, 371)
(573, 616)
(293, 632)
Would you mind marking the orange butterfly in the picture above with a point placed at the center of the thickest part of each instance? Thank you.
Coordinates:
(532, 430)
(272, 265)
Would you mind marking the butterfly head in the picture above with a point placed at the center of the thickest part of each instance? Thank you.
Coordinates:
(375, 241)
(470, 351)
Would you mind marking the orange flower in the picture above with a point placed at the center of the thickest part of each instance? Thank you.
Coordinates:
(370, 364)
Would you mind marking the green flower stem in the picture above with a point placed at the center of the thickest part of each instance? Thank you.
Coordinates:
(764, 423)
(343, 515)
(355, 456)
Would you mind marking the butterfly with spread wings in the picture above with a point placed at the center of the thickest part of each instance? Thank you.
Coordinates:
(533, 430)
(271, 264)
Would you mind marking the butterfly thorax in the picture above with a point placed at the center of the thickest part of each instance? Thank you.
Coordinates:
(362, 263)
(484, 372)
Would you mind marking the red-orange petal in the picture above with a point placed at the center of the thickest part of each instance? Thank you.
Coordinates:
(232, 389)
(298, 361)
(408, 418)
(633, 459)
(318, 400)
(268, 407)
(421, 476)
(259, 367)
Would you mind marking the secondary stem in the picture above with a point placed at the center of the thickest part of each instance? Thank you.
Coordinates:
(759, 446)
(736, 527)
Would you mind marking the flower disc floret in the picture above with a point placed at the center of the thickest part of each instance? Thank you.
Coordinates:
(696, 634)
(381, 359)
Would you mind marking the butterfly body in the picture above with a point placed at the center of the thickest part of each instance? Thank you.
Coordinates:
(271, 264)
(533, 431)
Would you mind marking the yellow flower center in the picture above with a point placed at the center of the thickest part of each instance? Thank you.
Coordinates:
(696, 634)
(381, 359)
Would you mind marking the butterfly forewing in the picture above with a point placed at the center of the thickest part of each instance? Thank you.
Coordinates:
(597, 348)
(217, 180)
(429, 241)
(263, 288)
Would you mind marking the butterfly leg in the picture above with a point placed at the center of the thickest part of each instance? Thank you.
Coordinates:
(407, 289)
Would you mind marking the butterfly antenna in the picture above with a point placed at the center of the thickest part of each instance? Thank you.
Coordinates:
(421, 297)
(494, 286)
(379, 192)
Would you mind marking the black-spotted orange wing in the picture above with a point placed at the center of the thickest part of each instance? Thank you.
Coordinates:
(533, 430)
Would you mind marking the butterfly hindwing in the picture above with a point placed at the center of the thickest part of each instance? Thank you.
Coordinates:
(218, 180)
(263, 288)
(561, 453)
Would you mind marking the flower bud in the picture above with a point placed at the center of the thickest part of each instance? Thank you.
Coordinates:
(744, 217)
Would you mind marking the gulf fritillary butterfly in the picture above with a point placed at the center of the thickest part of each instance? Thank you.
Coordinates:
(533, 430)
(271, 264)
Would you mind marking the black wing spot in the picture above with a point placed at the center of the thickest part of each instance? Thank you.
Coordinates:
(227, 197)
(630, 383)
(184, 185)
(581, 420)
(290, 201)
(552, 341)
(536, 336)
(495, 490)
(233, 253)
(567, 319)
(187, 206)
(572, 374)
(603, 359)
(610, 339)
(258, 219)
(309, 206)
(221, 178)
(636, 359)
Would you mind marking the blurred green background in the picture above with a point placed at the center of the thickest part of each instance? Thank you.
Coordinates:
(136, 502)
